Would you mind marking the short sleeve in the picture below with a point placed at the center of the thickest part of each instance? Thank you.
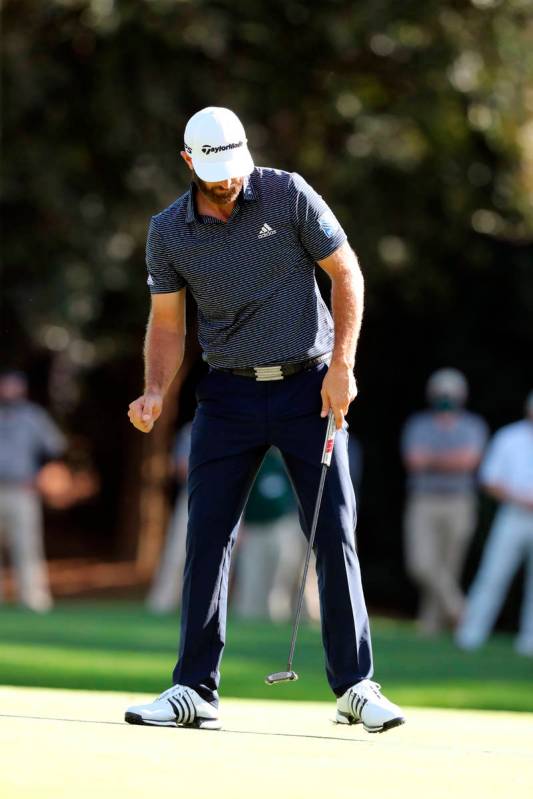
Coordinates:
(49, 440)
(413, 436)
(318, 228)
(163, 278)
(478, 434)
(495, 465)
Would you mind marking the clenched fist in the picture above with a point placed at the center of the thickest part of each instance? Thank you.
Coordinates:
(145, 411)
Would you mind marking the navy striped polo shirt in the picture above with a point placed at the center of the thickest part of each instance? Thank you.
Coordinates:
(253, 277)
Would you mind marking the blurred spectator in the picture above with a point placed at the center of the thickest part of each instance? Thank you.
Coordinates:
(28, 437)
(270, 551)
(507, 475)
(165, 593)
(442, 448)
(61, 486)
(272, 546)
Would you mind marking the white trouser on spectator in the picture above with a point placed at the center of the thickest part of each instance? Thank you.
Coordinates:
(269, 566)
(21, 519)
(165, 593)
(509, 544)
(438, 529)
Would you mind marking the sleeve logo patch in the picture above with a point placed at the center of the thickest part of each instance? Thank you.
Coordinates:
(328, 224)
(150, 280)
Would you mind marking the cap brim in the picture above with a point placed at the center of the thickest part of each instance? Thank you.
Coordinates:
(237, 167)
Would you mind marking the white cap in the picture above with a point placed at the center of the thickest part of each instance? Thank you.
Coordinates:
(451, 382)
(216, 141)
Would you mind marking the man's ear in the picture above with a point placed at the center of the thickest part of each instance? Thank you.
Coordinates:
(187, 158)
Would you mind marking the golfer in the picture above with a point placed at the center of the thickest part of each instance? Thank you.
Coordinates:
(245, 241)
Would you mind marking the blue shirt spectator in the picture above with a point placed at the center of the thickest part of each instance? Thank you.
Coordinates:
(28, 435)
(438, 434)
(441, 448)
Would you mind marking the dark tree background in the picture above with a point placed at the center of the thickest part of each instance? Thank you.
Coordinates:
(414, 120)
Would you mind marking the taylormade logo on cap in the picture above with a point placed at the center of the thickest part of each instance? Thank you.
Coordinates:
(216, 141)
(206, 149)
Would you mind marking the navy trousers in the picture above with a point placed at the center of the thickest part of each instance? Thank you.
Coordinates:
(236, 421)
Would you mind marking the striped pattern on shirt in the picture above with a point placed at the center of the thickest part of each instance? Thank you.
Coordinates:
(253, 277)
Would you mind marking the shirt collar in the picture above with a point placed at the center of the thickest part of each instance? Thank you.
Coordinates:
(248, 194)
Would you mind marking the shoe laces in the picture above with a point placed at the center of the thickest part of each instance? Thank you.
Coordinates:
(175, 690)
(369, 685)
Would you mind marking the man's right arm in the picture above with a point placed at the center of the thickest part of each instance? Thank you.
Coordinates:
(415, 453)
(501, 493)
(164, 347)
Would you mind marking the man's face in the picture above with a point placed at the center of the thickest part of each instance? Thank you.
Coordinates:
(221, 193)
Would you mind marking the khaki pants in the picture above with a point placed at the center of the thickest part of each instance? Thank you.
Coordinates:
(21, 523)
(165, 592)
(438, 530)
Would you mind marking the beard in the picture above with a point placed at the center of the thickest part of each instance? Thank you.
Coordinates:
(216, 194)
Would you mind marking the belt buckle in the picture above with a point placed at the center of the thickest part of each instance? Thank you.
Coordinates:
(268, 372)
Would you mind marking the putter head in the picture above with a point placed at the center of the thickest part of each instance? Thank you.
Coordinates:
(281, 676)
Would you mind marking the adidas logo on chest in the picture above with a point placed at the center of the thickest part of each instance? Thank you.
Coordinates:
(266, 231)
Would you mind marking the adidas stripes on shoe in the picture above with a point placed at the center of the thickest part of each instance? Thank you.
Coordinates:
(179, 706)
(364, 703)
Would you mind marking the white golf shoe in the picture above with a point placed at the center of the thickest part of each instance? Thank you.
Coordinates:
(179, 706)
(364, 703)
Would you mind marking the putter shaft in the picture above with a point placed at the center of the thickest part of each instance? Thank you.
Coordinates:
(299, 604)
(327, 453)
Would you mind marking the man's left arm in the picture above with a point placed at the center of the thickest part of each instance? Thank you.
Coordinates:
(347, 300)
(50, 441)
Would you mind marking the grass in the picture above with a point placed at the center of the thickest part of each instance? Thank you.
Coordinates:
(75, 744)
(119, 646)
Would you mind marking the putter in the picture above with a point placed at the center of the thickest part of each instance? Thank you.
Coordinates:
(290, 675)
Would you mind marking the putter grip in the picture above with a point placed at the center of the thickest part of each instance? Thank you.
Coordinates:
(330, 440)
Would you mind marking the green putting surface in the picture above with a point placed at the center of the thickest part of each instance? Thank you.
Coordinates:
(119, 646)
(74, 744)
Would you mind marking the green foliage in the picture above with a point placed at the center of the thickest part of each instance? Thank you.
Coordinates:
(413, 119)
(411, 122)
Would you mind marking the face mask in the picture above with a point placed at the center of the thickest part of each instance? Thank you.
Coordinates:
(443, 402)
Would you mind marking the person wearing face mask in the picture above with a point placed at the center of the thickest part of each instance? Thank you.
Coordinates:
(506, 474)
(441, 448)
(28, 437)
